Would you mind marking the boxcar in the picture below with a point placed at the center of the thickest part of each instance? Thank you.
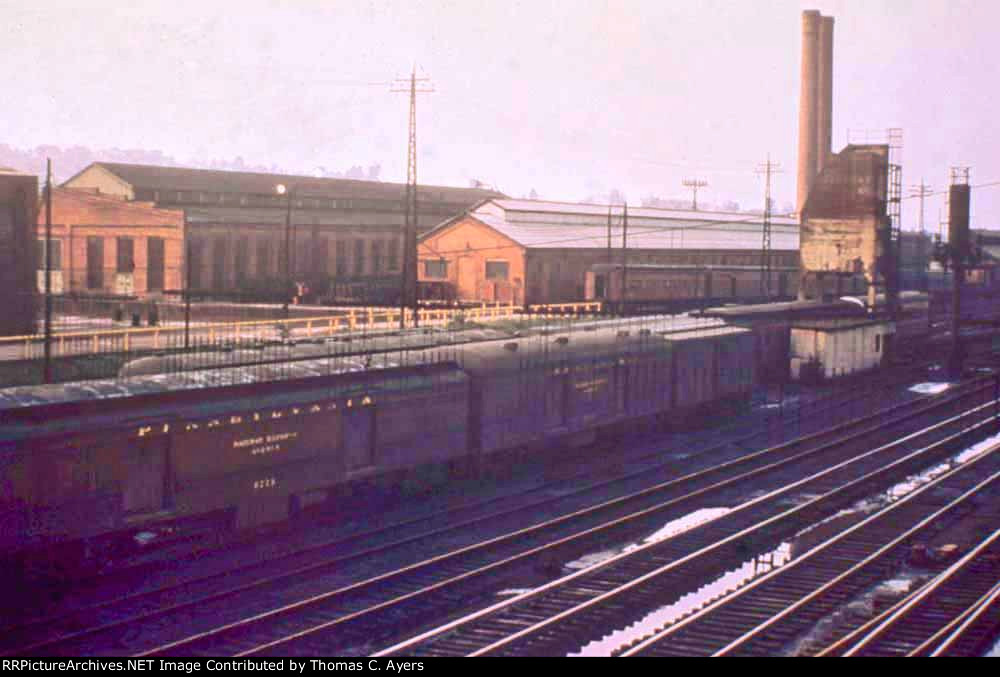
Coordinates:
(81, 460)
(546, 387)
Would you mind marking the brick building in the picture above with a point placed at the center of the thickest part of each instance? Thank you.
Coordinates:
(107, 245)
(18, 202)
(526, 251)
(343, 231)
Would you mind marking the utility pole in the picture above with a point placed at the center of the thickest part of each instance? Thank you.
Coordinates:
(610, 259)
(187, 286)
(694, 185)
(625, 261)
(922, 191)
(767, 169)
(611, 272)
(408, 287)
(48, 271)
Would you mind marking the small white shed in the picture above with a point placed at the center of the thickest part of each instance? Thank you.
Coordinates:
(831, 348)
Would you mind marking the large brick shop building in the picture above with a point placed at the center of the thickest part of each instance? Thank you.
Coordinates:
(342, 230)
(530, 251)
(105, 245)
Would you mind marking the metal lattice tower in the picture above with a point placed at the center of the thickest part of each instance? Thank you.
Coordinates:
(894, 211)
(767, 169)
(408, 291)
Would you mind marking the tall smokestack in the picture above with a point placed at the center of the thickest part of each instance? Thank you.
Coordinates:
(824, 120)
(808, 104)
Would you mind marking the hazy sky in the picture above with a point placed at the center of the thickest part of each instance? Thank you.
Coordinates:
(569, 97)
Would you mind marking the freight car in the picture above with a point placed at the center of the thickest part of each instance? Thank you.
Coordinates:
(532, 390)
(79, 462)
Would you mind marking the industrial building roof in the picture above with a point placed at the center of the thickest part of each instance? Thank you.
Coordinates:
(560, 225)
(683, 268)
(209, 180)
(577, 210)
(836, 324)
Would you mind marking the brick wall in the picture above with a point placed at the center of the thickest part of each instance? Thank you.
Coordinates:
(79, 215)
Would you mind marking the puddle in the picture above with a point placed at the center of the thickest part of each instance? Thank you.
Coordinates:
(930, 388)
(689, 603)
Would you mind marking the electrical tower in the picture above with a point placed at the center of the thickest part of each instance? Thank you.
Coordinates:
(767, 169)
(694, 185)
(408, 288)
(894, 210)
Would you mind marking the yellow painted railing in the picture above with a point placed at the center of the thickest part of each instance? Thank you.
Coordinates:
(154, 338)
(567, 308)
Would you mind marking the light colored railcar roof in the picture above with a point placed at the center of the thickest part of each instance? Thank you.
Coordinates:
(583, 345)
(26, 396)
(213, 375)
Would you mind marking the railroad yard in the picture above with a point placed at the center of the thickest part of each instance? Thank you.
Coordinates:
(261, 413)
(803, 528)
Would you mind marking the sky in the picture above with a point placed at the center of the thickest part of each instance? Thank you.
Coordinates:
(570, 98)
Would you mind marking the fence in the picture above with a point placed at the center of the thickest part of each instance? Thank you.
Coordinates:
(172, 334)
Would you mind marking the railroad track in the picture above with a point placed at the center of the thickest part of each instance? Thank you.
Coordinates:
(562, 616)
(47, 634)
(975, 632)
(352, 616)
(767, 616)
(935, 617)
